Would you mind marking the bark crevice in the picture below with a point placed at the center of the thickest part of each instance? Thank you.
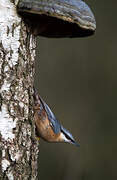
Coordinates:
(18, 146)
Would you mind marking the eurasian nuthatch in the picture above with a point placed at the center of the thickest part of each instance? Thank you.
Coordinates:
(47, 126)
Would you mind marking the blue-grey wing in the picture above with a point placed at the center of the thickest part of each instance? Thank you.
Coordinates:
(54, 122)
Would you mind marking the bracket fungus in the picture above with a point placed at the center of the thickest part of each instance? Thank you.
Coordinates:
(58, 18)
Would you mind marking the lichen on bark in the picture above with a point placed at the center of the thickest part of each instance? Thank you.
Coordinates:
(18, 147)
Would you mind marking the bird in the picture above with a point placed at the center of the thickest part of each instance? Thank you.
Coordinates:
(47, 125)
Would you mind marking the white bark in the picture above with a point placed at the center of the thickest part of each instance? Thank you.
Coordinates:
(18, 148)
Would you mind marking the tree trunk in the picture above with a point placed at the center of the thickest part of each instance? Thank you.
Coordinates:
(18, 146)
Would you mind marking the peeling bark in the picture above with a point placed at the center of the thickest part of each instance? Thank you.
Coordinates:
(18, 147)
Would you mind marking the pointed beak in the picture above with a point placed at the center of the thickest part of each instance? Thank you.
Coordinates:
(75, 143)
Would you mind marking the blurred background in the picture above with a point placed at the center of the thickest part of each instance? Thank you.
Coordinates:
(78, 79)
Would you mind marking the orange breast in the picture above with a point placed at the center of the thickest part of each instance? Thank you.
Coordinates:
(44, 130)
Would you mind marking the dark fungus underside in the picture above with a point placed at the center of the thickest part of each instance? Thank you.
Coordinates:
(58, 18)
(49, 26)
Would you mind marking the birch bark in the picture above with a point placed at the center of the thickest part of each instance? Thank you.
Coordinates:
(18, 147)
